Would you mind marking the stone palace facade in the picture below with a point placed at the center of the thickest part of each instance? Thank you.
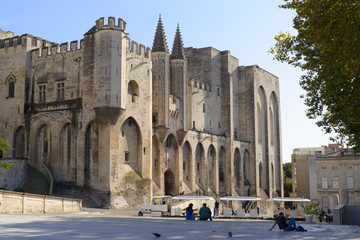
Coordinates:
(108, 115)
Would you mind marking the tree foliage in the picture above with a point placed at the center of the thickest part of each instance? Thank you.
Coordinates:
(5, 146)
(327, 49)
(287, 170)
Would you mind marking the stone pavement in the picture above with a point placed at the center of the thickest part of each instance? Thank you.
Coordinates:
(116, 224)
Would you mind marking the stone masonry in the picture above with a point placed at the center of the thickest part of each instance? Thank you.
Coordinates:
(120, 120)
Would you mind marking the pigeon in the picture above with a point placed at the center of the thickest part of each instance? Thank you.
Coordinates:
(230, 234)
(157, 235)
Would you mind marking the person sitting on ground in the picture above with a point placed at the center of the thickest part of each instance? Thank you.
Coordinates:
(205, 213)
(189, 212)
(283, 223)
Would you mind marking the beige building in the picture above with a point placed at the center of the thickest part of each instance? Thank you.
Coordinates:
(115, 120)
(338, 171)
(304, 169)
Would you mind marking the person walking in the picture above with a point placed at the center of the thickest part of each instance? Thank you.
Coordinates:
(216, 209)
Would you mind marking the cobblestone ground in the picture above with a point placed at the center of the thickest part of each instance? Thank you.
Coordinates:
(103, 224)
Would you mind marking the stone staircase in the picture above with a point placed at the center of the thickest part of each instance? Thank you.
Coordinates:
(35, 182)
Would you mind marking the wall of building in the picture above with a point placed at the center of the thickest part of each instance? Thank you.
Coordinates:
(112, 121)
(300, 174)
(14, 177)
(345, 172)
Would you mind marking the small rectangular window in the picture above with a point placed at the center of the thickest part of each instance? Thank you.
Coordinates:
(45, 147)
(350, 183)
(42, 93)
(193, 124)
(335, 183)
(324, 183)
(126, 156)
(204, 107)
(60, 91)
(218, 91)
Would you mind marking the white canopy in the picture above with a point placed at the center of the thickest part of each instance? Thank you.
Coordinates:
(288, 199)
(240, 198)
(164, 196)
(183, 197)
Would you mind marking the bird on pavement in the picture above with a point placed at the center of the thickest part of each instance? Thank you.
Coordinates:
(157, 235)
(230, 234)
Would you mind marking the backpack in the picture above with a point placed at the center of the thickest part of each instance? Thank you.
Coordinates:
(300, 229)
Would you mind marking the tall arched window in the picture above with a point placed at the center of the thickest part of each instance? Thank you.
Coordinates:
(133, 90)
(10, 83)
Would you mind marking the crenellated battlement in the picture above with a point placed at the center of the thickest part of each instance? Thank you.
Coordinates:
(26, 40)
(134, 48)
(100, 24)
(199, 85)
(10, 42)
(60, 49)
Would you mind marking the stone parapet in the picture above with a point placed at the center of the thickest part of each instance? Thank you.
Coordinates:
(25, 203)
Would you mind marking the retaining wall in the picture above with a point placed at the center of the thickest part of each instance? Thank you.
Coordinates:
(25, 203)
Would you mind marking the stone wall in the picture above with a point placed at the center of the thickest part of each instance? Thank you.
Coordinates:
(15, 177)
(24, 203)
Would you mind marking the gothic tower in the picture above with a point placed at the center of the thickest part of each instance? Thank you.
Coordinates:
(161, 78)
(178, 76)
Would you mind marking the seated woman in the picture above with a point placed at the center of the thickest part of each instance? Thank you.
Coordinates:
(190, 212)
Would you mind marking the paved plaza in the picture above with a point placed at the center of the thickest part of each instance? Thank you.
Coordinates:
(106, 224)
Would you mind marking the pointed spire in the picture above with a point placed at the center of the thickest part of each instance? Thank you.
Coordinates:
(160, 44)
(178, 48)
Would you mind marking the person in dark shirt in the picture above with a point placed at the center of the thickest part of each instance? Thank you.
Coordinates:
(216, 209)
(205, 213)
(283, 223)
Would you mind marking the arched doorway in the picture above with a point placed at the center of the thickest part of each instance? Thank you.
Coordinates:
(131, 144)
(41, 145)
(19, 143)
(170, 188)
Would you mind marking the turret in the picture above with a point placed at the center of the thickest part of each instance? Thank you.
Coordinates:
(109, 49)
(178, 76)
(161, 77)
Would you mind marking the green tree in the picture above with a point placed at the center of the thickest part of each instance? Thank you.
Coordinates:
(5, 146)
(326, 48)
(287, 170)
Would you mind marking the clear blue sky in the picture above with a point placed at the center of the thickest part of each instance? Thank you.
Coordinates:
(244, 27)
